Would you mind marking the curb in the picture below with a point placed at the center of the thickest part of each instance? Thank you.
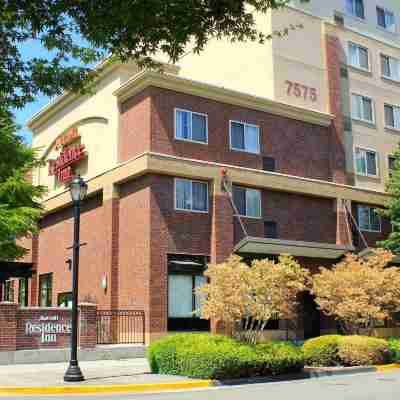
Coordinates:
(185, 385)
(145, 387)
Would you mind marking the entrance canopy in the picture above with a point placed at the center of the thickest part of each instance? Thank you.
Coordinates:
(263, 246)
(13, 269)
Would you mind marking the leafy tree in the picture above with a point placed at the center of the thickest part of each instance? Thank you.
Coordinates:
(19, 199)
(267, 290)
(85, 31)
(392, 209)
(359, 292)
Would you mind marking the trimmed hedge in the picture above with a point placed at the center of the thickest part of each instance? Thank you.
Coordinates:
(219, 357)
(322, 351)
(332, 350)
(363, 350)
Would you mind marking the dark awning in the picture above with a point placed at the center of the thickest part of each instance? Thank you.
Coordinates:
(262, 246)
(14, 269)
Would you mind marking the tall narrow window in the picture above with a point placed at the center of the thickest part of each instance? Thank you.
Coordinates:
(358, 56)
(244, 137)
(392, 116)
(191, 195)
(247, 201)
(385, 19)
(9, 291)
(355, 8)
(362, 108)
(366, 162)
(191, 126)
(45, 290)
(368, 219)
(390, 67)
(23, 292)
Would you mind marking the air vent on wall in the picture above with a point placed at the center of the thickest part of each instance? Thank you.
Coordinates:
(338, 18)
(347, 124)
(344, 73)
(269, 164)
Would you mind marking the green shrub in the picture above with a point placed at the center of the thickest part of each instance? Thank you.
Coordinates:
(394, 347)
(322, 351)
(219, 357)
(363, 350)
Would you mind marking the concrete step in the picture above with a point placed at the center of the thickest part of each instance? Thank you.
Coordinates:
(43, 356)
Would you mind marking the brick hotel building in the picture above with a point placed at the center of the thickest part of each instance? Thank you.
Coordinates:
(279, 118)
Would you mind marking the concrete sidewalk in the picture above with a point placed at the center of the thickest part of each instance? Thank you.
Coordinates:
(121, 372)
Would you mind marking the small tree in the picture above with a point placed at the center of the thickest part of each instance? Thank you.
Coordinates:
(392, 210)
(359, 292)
(255, 295)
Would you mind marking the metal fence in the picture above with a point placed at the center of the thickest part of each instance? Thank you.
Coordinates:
(120, 327)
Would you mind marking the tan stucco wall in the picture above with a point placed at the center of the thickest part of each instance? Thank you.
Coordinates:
(371, 84)
(299, 58)
(245, 67)
(97, 119)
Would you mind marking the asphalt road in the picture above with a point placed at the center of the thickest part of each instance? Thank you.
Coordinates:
(372, 386)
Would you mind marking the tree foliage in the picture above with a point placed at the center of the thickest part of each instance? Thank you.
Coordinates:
(238, 293)
(392, 209)
(359, 292)
(85, 31)
(19, 200)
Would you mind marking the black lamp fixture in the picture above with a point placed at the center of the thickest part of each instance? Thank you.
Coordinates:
(78, 191)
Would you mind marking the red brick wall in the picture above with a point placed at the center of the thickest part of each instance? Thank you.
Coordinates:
(134, 133)
(372, 237)
(334, 61)
(134, 244)
(298, 217)
(299, 148)
(8, 327)
(56, 236)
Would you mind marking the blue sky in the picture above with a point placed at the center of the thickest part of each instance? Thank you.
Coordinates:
(29, 50)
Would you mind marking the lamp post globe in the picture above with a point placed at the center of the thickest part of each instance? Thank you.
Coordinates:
(78, 191)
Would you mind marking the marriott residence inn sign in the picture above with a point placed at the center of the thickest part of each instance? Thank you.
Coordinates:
(70, 155)
(48, 328)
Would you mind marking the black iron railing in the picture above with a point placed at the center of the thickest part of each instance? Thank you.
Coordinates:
(120, 327)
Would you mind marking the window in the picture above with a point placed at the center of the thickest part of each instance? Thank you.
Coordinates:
(244, 137)
(247, 201)
(191, 195)
(390, 67)
(9, 291)
(362, 108)
(358, 56)
(191, 126)
(356, 8)
(45, 290)
(392, 116)
(391, 164)
(185, 277)
(385, 19)
(366, 163)
(368, 219)
(64, 300)
(23, 292)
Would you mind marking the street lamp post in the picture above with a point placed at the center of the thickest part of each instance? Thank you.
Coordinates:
(78, 190)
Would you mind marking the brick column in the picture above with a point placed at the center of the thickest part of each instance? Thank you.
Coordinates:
(35, 277)
(335, 62)
(343, 230)
(222, 238)
(8, 326)
(111, 209)
(87, 325)
(222, 233)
